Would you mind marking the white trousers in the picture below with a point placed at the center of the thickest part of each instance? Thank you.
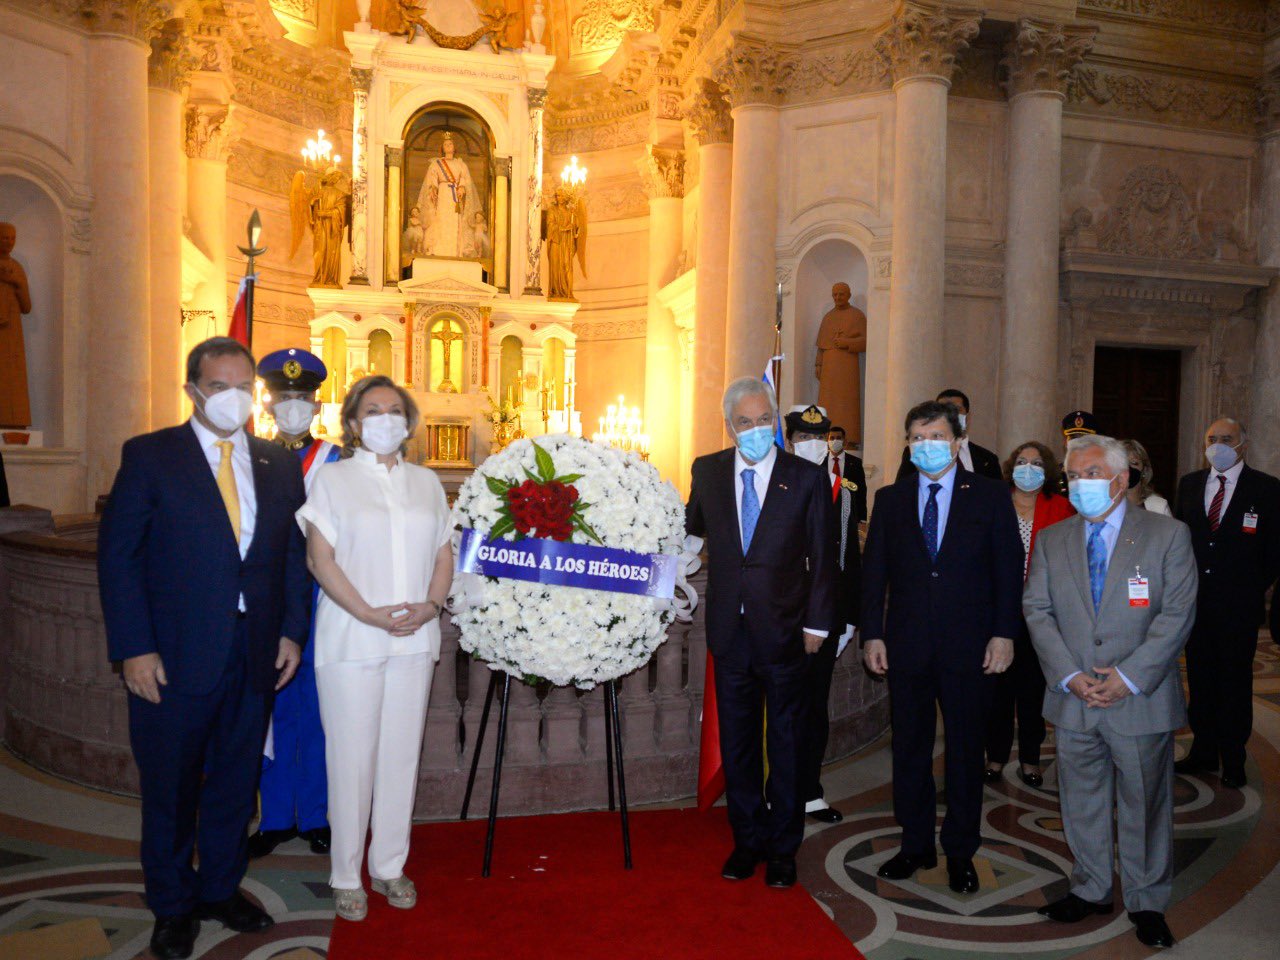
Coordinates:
(373, 712)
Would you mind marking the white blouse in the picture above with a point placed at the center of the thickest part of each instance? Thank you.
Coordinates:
(385, 527)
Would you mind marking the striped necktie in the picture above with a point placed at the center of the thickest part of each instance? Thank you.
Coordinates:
(1215, 508)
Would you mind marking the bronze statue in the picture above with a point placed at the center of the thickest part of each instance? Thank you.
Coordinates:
(326, 207)
(841, 339)
(564, 226)
(15, 300)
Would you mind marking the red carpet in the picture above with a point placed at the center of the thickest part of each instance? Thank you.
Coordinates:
(558, 890)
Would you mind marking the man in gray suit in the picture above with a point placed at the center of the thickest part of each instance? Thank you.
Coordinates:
(1109, 601)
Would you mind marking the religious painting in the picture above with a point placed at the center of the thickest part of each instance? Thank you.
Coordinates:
(448, 183)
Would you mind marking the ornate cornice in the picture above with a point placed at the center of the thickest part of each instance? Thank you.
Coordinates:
(208, 131)
(707, 112)
(603, 24)
(923, 39)
(140, 19)
(662, 171)
(755, 71)
(1166, 99)
(1245, 15)
(845, 72)
(1041, 55)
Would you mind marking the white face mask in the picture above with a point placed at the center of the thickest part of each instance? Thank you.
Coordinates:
(815, 451)
(383, 433)
(293, 417)
(227, 409)
(1221, 456)
(837, 446)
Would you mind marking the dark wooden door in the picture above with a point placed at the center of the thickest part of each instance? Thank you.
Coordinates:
(1135, 397)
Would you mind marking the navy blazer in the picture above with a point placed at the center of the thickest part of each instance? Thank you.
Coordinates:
(953, 606)
(786, 580)
(169, 568)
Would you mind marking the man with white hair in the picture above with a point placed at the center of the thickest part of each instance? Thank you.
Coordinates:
(1109, 601)
(766, 517)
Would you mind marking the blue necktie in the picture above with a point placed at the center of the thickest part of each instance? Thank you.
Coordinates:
(750, 508)
(1097, 562)
(931, 521)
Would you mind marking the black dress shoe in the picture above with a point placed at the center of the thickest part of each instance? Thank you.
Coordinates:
(904, 865)
(236, 913)
(1152, 930)
(1073, 909)
(264, 841)
(780, 872)
(1235, 779)
(991, 776)
(174, 938)
(320, 839)
(1032, 779)
(826, 815)
(961, 877)
(741, 864)
(1193, 765)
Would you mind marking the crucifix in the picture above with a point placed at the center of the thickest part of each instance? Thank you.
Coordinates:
(446, 335)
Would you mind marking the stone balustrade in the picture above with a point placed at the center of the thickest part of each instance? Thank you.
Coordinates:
(64, 705)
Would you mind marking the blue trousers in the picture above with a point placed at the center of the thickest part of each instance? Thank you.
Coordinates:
(294, 789)
(198, 760)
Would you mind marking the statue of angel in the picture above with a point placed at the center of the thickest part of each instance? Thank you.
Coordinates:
(325, 206)
(564, 227)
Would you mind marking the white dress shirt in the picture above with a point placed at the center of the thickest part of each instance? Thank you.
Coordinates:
(948, 483)
(1211, 487)
(241, 466)
(966, 458)
(385, 527)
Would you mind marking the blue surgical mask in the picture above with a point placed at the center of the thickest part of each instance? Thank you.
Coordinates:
(1028, 477)
(1222, 456)
(931, 456)
(1091, 498)
(755, 443)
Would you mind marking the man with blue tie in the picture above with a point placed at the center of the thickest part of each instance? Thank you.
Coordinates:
(1110, 600)
(766, 516)
(941, 584)
(205, 598)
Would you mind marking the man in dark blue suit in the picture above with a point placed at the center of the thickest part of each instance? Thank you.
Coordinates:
(942, 590)
(766, 516)
(204, 589)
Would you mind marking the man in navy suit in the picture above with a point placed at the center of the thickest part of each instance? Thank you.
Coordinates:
(941, 601)
(204, 593)
(766, 516)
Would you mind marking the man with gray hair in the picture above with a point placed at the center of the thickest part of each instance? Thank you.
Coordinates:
(766, 517)
(1109, 601)
(1234, 515)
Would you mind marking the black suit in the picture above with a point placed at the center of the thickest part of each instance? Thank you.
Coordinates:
(1236, 568)
(171, 578)
(4, 485)
(985, 463)
(757, 607)
(850, 508)
(936, 618)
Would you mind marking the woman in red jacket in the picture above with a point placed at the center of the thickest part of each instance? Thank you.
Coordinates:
(1032, 474)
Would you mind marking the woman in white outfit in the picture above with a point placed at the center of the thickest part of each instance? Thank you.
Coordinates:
(378, 544)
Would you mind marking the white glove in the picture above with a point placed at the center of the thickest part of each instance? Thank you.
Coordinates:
(844, 639)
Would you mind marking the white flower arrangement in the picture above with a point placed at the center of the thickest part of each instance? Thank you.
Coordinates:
(571, 635)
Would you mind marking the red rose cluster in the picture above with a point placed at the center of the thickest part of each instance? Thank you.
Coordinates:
(543, 510)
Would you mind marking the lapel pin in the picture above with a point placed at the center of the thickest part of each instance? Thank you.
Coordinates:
(964, 486)
(782, 486)
(1129, 541)
(263, 460)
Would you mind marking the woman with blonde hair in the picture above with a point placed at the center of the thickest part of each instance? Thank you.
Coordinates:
(1141, 493)
(378, 544)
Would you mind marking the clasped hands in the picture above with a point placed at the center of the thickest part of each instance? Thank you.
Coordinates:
(1103, 690)
(402, 619)
(998, 657)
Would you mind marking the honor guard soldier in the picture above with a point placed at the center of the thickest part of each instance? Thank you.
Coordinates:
(294, 789)
(1077, 423)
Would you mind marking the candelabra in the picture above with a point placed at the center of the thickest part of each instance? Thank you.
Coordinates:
(622, 427)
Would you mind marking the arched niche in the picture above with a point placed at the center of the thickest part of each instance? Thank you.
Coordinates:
(380, 353)
(333, 351)
(826, 263)
(510, 366)
(40, 249)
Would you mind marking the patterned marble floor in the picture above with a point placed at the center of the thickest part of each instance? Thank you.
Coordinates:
(70, 884)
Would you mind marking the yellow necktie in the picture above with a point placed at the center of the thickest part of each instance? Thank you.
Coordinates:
(227, 487)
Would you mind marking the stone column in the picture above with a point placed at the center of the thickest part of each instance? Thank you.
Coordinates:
(208, 136)
(754, 74)
(921, 46)
(533, 265)
(167, 75)
(118, 372)
(1264, 422)
(361, 80)
(708, 115)
(662, 170)
(1040, 58)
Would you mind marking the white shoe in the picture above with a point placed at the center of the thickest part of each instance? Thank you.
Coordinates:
(400, 892)
(350, 904)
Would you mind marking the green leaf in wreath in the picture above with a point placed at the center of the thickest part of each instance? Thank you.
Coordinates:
(569, 478)
(546, 466)
(500, 487)
(532, 476)
(503, 526)
(586, 528)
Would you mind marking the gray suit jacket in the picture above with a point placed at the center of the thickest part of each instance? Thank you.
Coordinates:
(1144, 642)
